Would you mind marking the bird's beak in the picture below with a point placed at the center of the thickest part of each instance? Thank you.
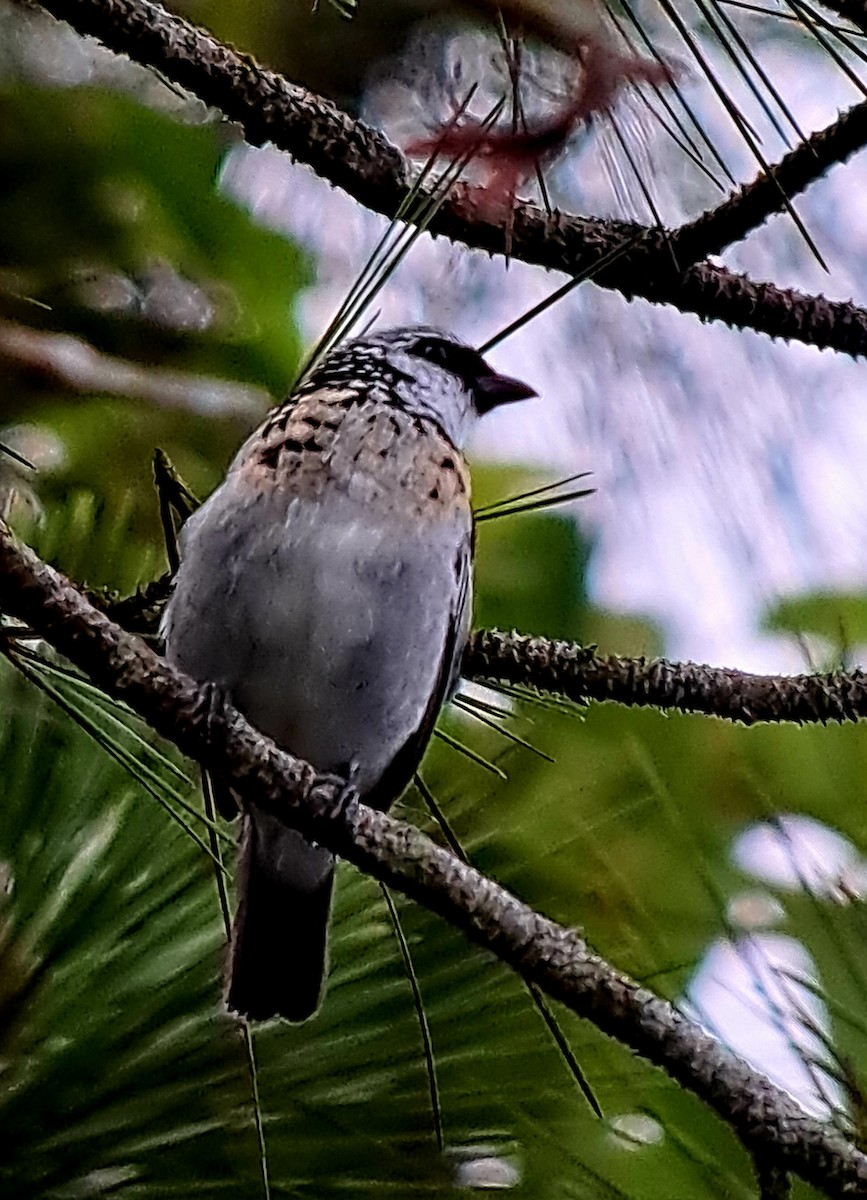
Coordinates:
(492, 390)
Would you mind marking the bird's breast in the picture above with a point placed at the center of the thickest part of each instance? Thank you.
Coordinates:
(375, 453)
(325, 586)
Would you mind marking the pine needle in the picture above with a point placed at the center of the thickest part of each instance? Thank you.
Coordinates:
(439, 817)
(632, 163)
(539, 505)
(512, 52)
(481, 513)
(470, 754)
(421, 1013)
(112, 710)
(812, 21)
(534, 500)
(102, 705)
(844, 32)
(742, 53)
(495, 710)
(740, 122)
(673, 125)
(211, 815)
(677, 92)
(465, 704)
(559, 293)
(19, 458)
(344, 8)
(571, 708)
(539, 1000)
(119, 753)
(411, 220)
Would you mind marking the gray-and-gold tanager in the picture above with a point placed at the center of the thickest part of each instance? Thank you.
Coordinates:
(326, 587)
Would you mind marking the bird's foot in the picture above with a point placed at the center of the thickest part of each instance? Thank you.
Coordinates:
(334, 799)
(211, 705)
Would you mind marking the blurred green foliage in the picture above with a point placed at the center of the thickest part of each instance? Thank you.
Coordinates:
(834, 623)
(97, 188)
(112, 229)
(314, 44)
(513, 560)
(119, 1073)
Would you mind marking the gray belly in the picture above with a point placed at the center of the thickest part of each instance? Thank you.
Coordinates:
(326, 625)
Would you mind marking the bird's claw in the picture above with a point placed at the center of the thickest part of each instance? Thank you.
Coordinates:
(334, 798)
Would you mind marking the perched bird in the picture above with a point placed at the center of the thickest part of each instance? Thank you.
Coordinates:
(326, 586)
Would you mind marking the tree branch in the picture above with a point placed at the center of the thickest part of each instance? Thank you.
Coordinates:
(63, 361)
(356, 158)
(580, 674)
(750, 206)
(767, 1120)
(853, 10)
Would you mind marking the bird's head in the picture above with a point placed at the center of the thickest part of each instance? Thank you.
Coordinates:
(425, 371)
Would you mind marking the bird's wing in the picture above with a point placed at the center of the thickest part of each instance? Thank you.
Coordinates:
(400, 770)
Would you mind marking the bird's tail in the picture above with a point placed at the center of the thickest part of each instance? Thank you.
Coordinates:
(277, 959)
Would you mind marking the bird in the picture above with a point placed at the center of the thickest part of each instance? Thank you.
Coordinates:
(325, 587)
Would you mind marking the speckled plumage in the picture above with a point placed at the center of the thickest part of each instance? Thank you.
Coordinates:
(326, 586)
(330, 439)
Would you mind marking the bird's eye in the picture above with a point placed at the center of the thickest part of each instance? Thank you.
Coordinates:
(433, 350)
(460, 360)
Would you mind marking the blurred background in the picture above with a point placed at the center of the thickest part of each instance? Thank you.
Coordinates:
(160, 282)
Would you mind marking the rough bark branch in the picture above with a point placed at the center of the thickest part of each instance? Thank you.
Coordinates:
(356, 158)
(580, 674)
(750, 206)
(853, 10)
(767, 1120)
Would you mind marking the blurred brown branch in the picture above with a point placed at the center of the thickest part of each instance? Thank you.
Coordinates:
(60, 360)
(356, 158)
(766, 1119)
